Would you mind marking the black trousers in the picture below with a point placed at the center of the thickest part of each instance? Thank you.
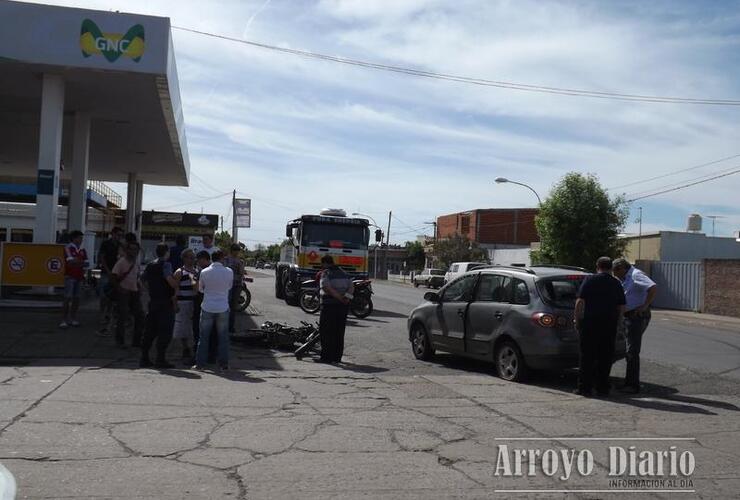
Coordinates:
(597, 352)
(213, 344)
(636, 326)
(159, 324)
(332, 323)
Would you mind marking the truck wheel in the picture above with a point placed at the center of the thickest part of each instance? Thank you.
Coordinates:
(279, 285)
(291, 301)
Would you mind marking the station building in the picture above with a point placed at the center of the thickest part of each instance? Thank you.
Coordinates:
(86, 97)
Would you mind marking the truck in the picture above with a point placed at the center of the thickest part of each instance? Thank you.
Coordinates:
(309, 238)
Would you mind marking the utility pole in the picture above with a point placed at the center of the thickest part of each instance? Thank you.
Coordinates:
(639, 240)
(387, 243)
(234, 238)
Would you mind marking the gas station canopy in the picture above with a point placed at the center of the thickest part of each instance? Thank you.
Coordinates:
(116, 69)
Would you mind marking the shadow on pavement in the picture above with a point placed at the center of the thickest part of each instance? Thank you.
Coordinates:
(652, 396)
(387, 314)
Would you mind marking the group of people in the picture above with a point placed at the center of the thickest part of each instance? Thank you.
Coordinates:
(618, 294)
(191, 296)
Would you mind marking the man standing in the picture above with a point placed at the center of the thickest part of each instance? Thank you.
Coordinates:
(125, 281)
(235, 263)
(599, 308)
(639, 291)
(215, 282)
(108, 255)
(160, 318)
(208, 245)
(181, 243)
(185, 294)
(74, 274)
(336, 293)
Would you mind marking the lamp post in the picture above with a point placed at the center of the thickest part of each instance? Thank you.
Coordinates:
(502, 180)
(375, 265)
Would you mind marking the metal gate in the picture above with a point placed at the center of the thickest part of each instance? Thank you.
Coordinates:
(680, 285)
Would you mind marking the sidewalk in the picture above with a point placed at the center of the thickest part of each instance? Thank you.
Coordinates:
(78, 419)
(709, 320)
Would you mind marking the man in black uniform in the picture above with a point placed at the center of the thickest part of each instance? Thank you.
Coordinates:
(336, 293)
(160, 319)
(599, 308)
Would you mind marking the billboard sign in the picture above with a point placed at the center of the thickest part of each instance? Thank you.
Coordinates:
(32, 264)
(243, 212)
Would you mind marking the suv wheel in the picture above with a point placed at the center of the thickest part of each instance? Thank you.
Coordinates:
(420, 343)
(510, 362)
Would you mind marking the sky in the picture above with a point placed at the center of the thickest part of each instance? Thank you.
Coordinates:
(297, 134)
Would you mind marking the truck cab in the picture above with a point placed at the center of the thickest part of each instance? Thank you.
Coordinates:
(309, 238)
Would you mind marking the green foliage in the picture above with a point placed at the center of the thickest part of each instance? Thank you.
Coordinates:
(415, 255)
(222, 239)
(579, 223)
(458, 249)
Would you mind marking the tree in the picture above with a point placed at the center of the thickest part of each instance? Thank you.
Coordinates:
(222, 240)
(415, 257)
(579, 222)
(458, 249)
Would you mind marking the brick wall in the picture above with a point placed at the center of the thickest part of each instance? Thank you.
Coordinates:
(512, 226)
(722, 287)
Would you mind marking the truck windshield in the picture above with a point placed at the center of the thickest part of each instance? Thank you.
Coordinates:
(334, 235)
(560, 291)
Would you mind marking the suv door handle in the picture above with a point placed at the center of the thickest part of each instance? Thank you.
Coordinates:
(499, 315)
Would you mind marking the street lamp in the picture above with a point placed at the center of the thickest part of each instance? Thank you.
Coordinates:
(502, 180)
(375, 265)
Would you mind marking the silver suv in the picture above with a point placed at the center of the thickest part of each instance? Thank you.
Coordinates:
(519, 318)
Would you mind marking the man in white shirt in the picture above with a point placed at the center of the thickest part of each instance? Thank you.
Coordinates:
(215, 283)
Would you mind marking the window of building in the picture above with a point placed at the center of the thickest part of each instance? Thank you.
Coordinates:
(21, 235)
(3, 234)
(465, 224)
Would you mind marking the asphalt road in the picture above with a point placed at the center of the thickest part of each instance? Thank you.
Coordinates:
(675, 351)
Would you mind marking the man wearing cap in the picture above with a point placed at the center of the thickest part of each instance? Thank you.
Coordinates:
(599, 308)
(336, 294)
(639, 291)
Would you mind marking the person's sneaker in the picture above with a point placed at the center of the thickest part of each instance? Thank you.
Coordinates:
(145, 363)
(223, 368)
(63, 325)
(103, 332)
(198, 368)
(163, 365)
(75, 323)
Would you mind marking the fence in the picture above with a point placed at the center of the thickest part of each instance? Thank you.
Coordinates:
(680, 285)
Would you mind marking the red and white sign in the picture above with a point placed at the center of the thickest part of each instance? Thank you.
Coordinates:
(16, 264)
(54, 265)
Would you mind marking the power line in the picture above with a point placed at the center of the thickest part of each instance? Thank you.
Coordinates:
(192, 202)
(681, 183)
(695, 167)
(686, 185)
(474, 81)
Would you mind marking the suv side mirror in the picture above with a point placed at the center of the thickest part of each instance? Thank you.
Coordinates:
(432, 297)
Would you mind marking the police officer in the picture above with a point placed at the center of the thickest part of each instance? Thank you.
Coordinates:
(160, 319)
(336, 293)
(599, 308)
(639, 291)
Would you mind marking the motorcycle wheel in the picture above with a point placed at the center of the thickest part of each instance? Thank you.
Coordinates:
(310, 302)
(362, 307)
(312, 344)
(245, 298)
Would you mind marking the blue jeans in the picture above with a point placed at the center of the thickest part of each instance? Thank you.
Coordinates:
(207, 319)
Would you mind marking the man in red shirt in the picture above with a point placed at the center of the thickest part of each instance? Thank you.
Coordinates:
(74, 273)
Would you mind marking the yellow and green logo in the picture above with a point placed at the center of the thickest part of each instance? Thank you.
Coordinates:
(112, 45)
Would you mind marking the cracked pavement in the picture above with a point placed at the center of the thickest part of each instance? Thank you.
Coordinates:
(381, 426)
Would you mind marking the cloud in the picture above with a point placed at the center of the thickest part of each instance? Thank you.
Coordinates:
(298, 133)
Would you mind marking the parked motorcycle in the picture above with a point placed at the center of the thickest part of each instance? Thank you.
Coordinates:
(361, 305)
(245, 296)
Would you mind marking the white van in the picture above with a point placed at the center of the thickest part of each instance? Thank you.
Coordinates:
(458, 268)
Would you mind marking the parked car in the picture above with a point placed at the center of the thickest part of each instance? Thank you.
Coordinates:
(459, 268)
(430, 278)
(259, 265)
(519, 318)
(268, 265)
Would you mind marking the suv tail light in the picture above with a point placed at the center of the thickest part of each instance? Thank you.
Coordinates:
(544, 319)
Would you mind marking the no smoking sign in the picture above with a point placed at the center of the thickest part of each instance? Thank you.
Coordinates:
(16, 264)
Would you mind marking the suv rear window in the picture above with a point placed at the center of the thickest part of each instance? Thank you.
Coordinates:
(561, 291)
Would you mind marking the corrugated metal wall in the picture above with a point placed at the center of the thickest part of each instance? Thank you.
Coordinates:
(680, 285)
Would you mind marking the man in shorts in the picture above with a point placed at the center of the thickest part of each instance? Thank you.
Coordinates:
(185, 276)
